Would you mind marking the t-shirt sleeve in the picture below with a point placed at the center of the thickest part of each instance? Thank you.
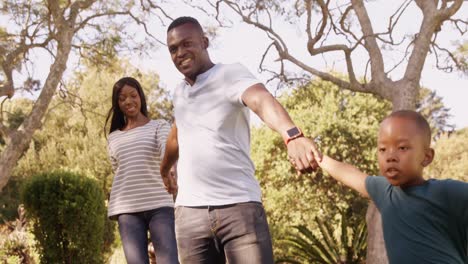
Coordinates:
(239, 79)
(376, 187)
(457, 192)
(112, 158)
(161, 136)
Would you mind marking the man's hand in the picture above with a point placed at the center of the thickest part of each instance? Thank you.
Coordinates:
(302, 152)
(304, 155)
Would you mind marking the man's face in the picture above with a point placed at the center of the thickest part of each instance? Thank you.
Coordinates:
(402, 151)
(187, 47)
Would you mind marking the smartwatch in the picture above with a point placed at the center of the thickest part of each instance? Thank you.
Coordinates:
(293, 133)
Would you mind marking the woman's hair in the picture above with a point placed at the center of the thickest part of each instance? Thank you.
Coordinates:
(117, 117)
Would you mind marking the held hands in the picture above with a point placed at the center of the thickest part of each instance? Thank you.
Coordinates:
(170, 182)
(304, 155)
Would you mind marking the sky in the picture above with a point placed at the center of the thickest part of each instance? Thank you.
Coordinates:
(245, 44)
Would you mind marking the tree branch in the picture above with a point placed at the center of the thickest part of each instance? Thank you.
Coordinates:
(313, 40)
(6, 87)
(376, 59)
(327, 76)
(456, 22)
(86, 21)
(54, 9)
(445, 13)
(450, 55)
(432, 21)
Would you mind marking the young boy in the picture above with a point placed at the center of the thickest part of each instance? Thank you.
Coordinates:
(424, 221)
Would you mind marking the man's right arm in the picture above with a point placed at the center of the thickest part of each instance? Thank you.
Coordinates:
(170, 157)
(346, 174)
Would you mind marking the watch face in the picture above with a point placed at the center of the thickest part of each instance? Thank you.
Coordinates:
(293, 132)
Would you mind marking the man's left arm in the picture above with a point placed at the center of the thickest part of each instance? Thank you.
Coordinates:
(171, 155)
(302, 151)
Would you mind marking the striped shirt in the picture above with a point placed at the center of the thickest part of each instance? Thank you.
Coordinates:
(135, 156)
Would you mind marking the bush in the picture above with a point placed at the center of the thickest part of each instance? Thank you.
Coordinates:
(346, 125)
(10, 199)
(67, 212)
(347, 244)
(16, 242)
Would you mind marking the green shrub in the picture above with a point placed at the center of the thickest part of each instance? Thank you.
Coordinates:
(110, 241)
(16, 242)
(346, 244)
(67, 211)
(10, 200)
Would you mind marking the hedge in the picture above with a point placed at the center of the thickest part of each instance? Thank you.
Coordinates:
(67, 211)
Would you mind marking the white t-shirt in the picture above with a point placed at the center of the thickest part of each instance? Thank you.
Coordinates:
(214, 166)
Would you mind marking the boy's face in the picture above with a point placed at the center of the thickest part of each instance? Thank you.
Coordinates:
(403, 151)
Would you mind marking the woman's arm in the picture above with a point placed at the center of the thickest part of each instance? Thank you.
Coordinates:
(170, 157)
(346, 174)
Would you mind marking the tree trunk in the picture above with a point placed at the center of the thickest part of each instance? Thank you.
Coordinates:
(21, 138)
(376, 252)
(404, 95)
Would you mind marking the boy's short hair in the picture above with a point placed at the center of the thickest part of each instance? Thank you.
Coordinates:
(185, 20)
(416, 118)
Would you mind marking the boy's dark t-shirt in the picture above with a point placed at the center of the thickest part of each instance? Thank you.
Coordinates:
(423, 224)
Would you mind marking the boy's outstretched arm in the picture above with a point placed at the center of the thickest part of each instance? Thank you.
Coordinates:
(346, 174)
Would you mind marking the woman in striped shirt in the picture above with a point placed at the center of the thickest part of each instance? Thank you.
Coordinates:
(138, 199)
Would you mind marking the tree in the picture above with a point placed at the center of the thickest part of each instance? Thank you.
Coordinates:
(349, 135)
(94, 29)
(73, 136)
(451, 157)
(462, 56)
(430, 105)
(345, 27)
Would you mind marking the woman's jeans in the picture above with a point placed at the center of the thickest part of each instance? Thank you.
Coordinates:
(134, 228)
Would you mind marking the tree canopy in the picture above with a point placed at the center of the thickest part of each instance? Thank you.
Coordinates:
(91, 30)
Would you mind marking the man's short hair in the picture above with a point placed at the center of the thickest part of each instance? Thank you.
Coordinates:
(184, 20)
(417, 119)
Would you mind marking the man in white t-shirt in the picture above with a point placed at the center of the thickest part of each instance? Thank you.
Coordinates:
(219, 216)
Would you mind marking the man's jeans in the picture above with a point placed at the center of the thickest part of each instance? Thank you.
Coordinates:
(236, 234)
(133, 230)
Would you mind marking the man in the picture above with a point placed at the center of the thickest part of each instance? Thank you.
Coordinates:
(219, 215)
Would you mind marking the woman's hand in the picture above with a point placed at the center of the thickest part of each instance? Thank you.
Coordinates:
(170, 182)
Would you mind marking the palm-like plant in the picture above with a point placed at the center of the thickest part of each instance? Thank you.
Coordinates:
(349, 247)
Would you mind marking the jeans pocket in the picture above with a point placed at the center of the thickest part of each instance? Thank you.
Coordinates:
(259, 212)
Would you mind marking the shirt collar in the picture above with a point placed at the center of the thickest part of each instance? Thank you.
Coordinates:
(202, 76)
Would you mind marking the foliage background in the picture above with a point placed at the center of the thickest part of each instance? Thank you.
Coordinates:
(68, 217)
(72, 137)
(345, 124)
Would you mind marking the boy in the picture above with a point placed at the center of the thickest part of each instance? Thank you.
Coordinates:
(424, 221)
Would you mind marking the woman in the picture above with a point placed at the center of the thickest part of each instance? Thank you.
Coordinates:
(138, 199)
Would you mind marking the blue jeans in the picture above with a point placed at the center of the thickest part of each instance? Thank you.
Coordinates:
(236, 234)
(134, 228)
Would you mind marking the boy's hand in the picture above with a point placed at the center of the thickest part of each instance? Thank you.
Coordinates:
(304, 155)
